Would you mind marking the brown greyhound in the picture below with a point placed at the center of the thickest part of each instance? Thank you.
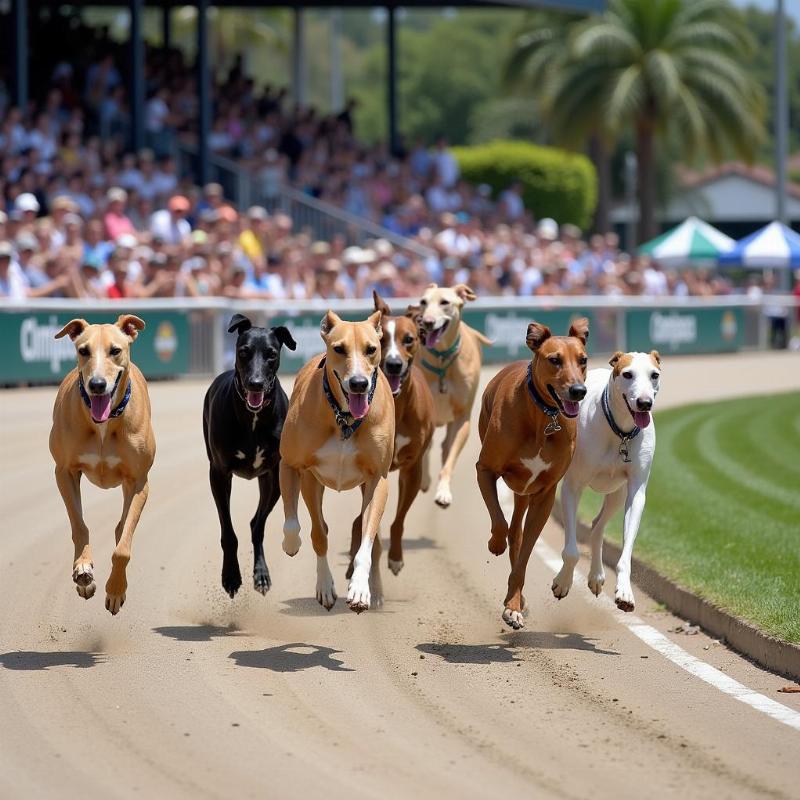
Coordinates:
(101, 429)
(413, 419)
(451, 360)
(527, 426)
(339, 433)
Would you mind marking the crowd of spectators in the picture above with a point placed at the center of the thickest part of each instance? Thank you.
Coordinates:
(81, 216)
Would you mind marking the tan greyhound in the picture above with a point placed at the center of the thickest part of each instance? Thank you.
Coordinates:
(451, 361)
(339, 433)
(101, 429)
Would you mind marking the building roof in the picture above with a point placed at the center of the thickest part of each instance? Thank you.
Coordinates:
(758, 173)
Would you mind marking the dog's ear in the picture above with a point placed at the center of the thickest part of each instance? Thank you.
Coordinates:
(414, 313)
(464, 292)
(329, 322)
(432, 286)
(614, 360)
(283, 335)
(375, 319)
(656, 356)
(74, 328)
(580, 330)
(538, 334)
(239, 323)
(130, 325)
(380, 304)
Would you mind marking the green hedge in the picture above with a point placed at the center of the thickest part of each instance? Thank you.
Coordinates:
(556, 183)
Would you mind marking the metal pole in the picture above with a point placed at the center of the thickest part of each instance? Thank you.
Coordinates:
(781, 126)
(166, 27)
(137, 75)
(337, 82)
(391, 78)
(630, 201)
(20, 28)
(298, 58)
(203, 91)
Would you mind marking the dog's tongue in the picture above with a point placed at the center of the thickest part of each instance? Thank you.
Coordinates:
(394, 383)
(255, 399)
(359, 405)
(571, 407)
(641, 418)
(432, 337)
(101, 407)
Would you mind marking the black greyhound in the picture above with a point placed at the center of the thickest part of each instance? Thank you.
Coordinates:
(243, 414)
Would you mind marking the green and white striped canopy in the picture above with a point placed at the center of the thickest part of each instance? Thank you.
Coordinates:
(692, 243)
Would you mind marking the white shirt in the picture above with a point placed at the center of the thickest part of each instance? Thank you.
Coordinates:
(171, 231)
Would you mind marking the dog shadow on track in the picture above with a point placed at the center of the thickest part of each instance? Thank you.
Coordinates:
(294, 657)
(43, 660)
(197, 633)
(506, 653)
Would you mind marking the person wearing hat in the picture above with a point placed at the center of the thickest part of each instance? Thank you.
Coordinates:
(28, 206)
(547, 230)
(13, 283)
(115, 220)
(252, 238)
(384, 277)
(324, 284)
(170, 223)
(93, 276)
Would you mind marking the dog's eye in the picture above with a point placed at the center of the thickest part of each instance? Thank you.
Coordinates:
(444, 302)
(583, 361)
(371, 350)
(627, 375)
(654, 376)
(244, 352)
(271, 355)
(83, 351)
(115, 351)
(423, 302)
(408, 339)
(339, 348)
(555, 361)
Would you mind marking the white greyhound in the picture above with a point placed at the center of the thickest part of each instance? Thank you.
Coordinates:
(613, 456)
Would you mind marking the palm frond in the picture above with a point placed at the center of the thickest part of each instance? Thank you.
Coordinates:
(605, 41)
(626, 98)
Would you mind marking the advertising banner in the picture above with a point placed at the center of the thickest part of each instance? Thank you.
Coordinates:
(685, 330)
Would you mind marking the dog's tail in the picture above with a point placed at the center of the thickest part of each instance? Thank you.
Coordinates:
(479, 336)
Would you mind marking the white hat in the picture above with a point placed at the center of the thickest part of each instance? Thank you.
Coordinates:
(547, 229)
(353, 255)
(27, 202)
(126, 240)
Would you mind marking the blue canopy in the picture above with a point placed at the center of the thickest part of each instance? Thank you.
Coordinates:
(772, 247)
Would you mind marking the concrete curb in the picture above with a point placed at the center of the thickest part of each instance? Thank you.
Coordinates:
(766, 651)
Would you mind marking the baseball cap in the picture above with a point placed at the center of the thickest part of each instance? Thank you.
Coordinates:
(547, 229)
(320, 249)
(26, 241)
(126, 241)
(228, 214)
(257, 212)
(27, 202)
(212, 190)
(64, 203)
(116, 195)
(93, 262)
(6, 250)
(179, 203)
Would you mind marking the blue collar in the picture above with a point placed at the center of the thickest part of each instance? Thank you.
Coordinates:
(341, 417)
(116, 412)
(623, 437)
(550, 411)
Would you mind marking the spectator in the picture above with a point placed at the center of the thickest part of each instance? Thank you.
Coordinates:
(169, 224)
(115, 221)
(12, 281)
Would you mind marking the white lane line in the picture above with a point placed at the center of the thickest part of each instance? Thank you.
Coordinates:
(667, 648)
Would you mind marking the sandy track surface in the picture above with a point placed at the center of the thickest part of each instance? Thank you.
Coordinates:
(189, 694)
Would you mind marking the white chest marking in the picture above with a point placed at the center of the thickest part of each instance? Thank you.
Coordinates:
(336, 464)
(391, 329)
(400, 442)
(93, 461)
(255, 420)
(259, 459)
(239, 454)
(536, 466)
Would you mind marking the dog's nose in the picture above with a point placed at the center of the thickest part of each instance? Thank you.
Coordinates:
(643, 404)
(394, 366)
(97, 385)
(577, 391)
(358, 384)
(255, 385)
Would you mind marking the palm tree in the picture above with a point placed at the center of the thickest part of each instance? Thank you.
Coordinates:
(658, 69)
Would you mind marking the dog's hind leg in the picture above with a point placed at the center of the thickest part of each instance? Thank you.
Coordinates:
(268, 493)
(515, 532)
(570, 497)
(611, 502)
(634, 507)
(221, 489)
(487, 482)
(373, 504)
(312, 494)
(134, 495)
(69, 484)
(409, 483)
(454, 441)
(290, 492)
(425, 481)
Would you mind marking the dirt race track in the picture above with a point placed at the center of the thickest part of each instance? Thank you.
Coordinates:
(189, 694)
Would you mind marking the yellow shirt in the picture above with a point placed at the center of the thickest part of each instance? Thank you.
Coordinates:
(248, 241)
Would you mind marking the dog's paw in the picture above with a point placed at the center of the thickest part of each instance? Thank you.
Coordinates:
(291, 537)
(114, 602)
(261, 580)
(395, 566)
(326, 591)
(444, 497)
(596, 581)
(514, 619)
(498, 541)
(358, 594)
(562, 583)
(83, 575)
(623, 597)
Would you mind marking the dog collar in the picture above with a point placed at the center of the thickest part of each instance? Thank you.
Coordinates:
(342, 417)
(115, 412)
(446, 359)
(624, 438)
(550, 411)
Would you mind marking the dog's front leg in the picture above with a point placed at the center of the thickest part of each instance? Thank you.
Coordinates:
(290, 492)
(313, 491)
(221, 490)
(634, 507)
(454, 441)
(268, 491)
(409, 483)
(570, 497)
(487, 481)
(373, 504)
(134, 494)
(69, 484)
(611, 502)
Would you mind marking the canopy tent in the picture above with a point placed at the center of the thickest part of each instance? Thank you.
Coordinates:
(775, 246)
(692, 243)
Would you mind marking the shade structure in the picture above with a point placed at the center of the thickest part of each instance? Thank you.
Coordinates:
(692, 243)
(775, 246)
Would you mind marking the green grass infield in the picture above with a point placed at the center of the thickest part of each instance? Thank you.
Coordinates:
(723, 507)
